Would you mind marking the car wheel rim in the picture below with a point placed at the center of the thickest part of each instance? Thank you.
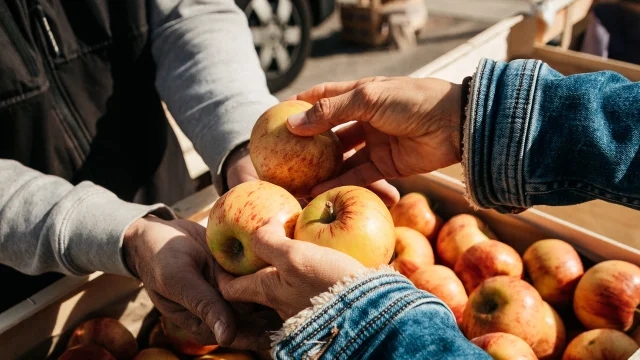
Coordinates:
(276, 26)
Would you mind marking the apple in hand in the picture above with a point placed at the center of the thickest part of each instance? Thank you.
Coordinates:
(183, 341)
(413, 211)
(107, 333)
(459, 234)
(352, 220)
(487, 259)
(86, 351)
(555, 269)
(413, 251)
(155, 354)
(297, 163)
(504, 304)
(504, 346)
(601, 344)
(553, 338)
(443, 283)
(238, 214)
(607, 295)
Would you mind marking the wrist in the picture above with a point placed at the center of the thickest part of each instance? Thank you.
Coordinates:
(129, 242)
(237, 154)
(454, 100)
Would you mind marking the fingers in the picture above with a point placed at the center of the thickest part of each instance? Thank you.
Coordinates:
(351, 136)
(331, 89)
(361, 175)
(270, 243)
(385, 191)
(252, 288)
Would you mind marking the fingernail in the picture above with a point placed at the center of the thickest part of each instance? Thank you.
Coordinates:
(298, 119)
(218, 329)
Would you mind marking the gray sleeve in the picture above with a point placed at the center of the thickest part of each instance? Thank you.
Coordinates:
(208, 73)
(47, 224)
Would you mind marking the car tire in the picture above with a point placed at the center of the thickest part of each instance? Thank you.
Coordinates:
(278, 32)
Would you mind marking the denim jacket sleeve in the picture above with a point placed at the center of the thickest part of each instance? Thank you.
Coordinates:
(379, 315)
(534, 136)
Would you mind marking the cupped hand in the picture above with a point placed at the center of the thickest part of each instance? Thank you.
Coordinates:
(405, 126)
(300, 270)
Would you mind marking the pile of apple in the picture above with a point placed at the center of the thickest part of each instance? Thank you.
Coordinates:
(482, 281)
(107, 339)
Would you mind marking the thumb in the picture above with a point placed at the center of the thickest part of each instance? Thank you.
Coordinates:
(251, 288)
(325, 114)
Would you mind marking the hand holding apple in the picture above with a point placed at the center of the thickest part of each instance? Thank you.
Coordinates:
(601, 344)
(504, 346)
(182, 341)
(443, 283)
(412, 251)
(487, 259)
(413, 211)
(459, 234)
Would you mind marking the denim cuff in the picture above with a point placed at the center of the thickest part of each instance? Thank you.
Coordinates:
(348, 317)
(499, 114)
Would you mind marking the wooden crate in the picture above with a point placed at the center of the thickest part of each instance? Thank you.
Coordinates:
(364, 23)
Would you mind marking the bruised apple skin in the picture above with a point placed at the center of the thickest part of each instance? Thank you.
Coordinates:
(413, 211)
(487, 259)
(238, 214)
(107, 333)
(182, 341)
(443, 283)
(155, 354)
(86, 351)
(601, 344)
(607, 295)
(553, 338)
(504, 346)
(413, 251)
(297, 163)
(459, 234)
(352, 220)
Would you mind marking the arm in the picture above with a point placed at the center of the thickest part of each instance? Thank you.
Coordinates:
(208, 74)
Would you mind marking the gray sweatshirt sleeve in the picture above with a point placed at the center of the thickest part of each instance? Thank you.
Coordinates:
(208, 73)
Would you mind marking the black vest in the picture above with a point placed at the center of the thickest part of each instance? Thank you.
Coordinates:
(77, 100)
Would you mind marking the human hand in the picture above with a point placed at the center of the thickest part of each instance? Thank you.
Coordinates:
(239, 168)
(408, 126)
(177, 269)
(300, 271)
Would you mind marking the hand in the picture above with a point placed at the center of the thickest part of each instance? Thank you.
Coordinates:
(300, 271)
(408, 126)
(239, 168)
(177, 269)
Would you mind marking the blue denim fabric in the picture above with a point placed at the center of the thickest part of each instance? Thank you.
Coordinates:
(538, 137)
(381, 317)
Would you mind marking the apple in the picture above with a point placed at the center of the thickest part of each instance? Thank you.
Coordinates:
(86, 351)
(350, 219)
(238, 214)
(553, 338)
(413, 251)
(443, 283)
(601, 344)
(487, 259)
(504, 346)
(413, 211)
(635, 334)
(155, 354)
(504, 304)
(228, 355)
(555, 269)
(157, 338)
(107, 333)
(607, 295)
(297, 163)
(183, 341)
(459, 234)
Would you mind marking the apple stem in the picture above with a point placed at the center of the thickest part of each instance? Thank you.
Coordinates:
(329, 210)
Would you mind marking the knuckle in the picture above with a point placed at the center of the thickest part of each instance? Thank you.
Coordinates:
(321, 108)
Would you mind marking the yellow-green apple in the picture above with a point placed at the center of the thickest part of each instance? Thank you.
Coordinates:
(297, 163)
(157, 338)
(555, 268)
(228, 355)
(504, 304)
(183, 341)
(413, 211)
(553, 338)
(459, 234)
(238, 214)
(350, 219)
(487, 259)
(607, 295)
(155, 354)
(504, 346)
(601, 344)
(443, 283)
(107, 333)
(635, 334)
(86, 351)
(413, 251)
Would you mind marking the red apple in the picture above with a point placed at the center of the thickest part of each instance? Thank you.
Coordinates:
(459, 234)
(553, 338)
(601, 344)
(504, 346)
(412, 251)
(86, 351)
(107, 333)
(443, 283)
(238, 214)
(350, 219)
(607, 295)
(555, 269)
(413, 211)
(487, 259)
(504, 304)
(157, 338)
(297, 163)
(228, 355)
(183, 341)
(155, 354)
